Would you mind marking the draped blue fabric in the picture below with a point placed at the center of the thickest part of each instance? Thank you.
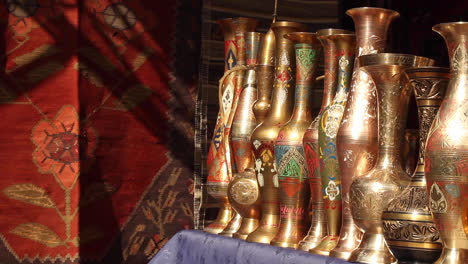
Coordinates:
(197, 247)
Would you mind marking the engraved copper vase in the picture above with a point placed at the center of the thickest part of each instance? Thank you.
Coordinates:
(264, 136)
(243, 124)
(446, 159)
(408, 226)
(409, 149)
(344, 47)
(220, 156)
(371, 192)
(291, 165)
(318, 228)
(357, 135)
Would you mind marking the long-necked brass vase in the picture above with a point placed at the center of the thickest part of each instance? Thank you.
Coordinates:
(318, 226)
(264, 136)
(328, 128)
(220, 166)
(408, 226)
(371, 192)
(357, 135)
(243, 124)
(446, 159)
(289, 153)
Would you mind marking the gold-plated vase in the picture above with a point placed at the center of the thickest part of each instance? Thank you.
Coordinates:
(371, 192)
(407, 222)
(291, 165)
(344, 47)
(410, 150)
(219, 156)
(243, 124)
(446, 159)
(264, 136)
(318, 227)
(357, 135)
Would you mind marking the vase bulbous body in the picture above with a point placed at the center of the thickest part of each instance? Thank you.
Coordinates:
(357, 136)
(407, 222)
(371, 192)
(318, 226)
(446, 156)
(243, 124)
(264, 136)
(344, 46)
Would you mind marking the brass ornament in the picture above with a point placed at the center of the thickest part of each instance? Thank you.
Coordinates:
(446, 154)
(357, 136)
(372, 192)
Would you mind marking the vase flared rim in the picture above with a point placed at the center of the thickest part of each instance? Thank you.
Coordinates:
(391, 59)
(333, 31)
(350, 12)
(438, 28)
(300, 26)
(428, 69)
(302, 37)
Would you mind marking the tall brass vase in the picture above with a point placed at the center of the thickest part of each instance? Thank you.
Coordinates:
(407, 222)
(242, 188)
(318, 227)
(219, 156)
(289, 153)
(446, 159)
(357, 135)
(371, 192)
(264, 136)
(328, 127)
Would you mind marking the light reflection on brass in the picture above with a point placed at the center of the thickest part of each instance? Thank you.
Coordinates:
(318, 227)
(264, 136)
(372, 192)
(219, 161)
(357, 135)
(446, 159)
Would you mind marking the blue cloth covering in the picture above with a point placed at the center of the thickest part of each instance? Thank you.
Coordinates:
(197, 247)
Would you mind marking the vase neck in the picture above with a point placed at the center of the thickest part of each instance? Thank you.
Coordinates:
(306, 65)
(329, 83)
(456, 39)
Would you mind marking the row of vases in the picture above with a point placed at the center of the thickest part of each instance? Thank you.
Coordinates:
(271, 161)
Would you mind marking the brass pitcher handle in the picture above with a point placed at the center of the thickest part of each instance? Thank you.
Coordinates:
(321, 77)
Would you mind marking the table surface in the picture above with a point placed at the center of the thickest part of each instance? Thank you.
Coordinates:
(197, 247)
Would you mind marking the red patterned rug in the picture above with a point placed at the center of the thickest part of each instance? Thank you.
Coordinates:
(96, 142)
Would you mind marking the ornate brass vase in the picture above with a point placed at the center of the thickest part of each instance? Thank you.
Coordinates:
(410, 148)
(357, 135)
(289, 153)
(446, 159)
(264, 136)
(344, 46)
(318, 227)
(243, 124)
(371, 192)
(407, 222)
(219, 156)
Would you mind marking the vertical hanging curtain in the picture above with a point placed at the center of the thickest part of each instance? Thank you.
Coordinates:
(96, 131)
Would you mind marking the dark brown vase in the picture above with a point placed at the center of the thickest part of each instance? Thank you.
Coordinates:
(264, 136)
(318, 227)
(410, 148)
(291, 165)
(407, 222)
(220, 164)
(371, 193)
(328, 128)
(357, 135)
(446, 159)
(244, 123)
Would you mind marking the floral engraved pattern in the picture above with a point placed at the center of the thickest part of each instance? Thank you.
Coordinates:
(410, 231)
(460, 57)
(438, 203)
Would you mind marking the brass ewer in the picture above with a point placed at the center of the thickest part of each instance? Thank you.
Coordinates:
(344, 48)
(264, 136)
(446, 159)
(371, 193)
(357, 135)
(318, 228)
(407, 222)
(243, 189)
(289, 153)
(220, 156)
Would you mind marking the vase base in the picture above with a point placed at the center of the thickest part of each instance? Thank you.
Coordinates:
(248, 226)
(326, 245)
(453, 256)
(284, 244)
(309, 243)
